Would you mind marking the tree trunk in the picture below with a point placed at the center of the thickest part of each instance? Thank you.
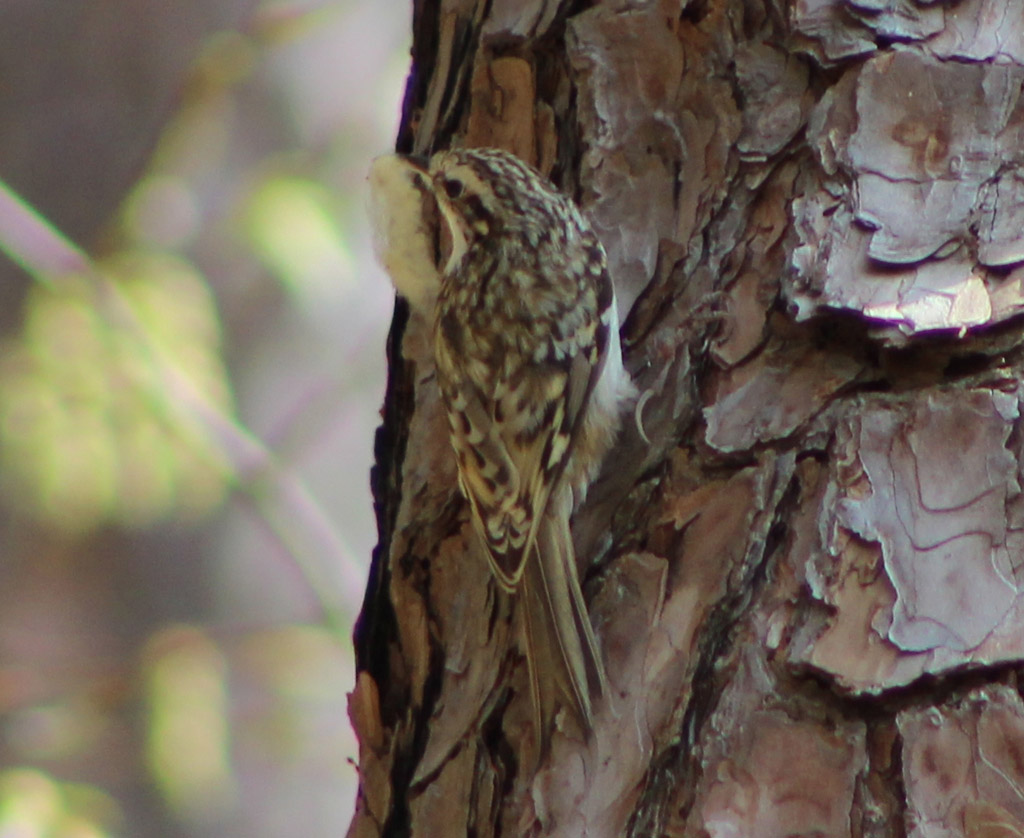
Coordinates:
(803, 558)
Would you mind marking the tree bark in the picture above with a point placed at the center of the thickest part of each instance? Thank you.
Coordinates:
(803, 560)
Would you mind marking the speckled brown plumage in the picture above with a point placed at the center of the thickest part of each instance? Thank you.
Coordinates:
(530, 372)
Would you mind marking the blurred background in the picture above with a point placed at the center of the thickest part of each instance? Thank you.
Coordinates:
(191, 365)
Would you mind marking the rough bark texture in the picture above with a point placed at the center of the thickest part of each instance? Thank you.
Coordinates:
(805, 569)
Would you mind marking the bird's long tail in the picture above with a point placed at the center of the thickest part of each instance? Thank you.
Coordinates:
(562, 655)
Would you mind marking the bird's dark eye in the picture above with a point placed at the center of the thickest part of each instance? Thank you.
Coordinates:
(453, 188)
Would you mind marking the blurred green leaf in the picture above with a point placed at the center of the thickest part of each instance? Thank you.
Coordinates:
(86, 433)
(188, 725)
(34, 805)
(291, 225)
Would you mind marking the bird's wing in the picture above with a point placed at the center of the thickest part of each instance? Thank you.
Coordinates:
(512, 445)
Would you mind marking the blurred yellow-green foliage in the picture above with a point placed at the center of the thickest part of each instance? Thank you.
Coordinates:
(292, 225)
(186, 425)
(34, 805)
(92, 431)
(187, 750)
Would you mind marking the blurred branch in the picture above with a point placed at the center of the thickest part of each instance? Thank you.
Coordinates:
(284, 502)
(30, 240)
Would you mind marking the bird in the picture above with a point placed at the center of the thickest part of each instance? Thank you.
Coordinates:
(529, 369)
